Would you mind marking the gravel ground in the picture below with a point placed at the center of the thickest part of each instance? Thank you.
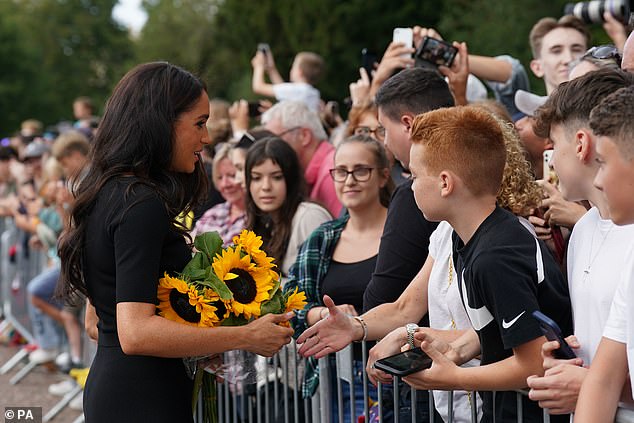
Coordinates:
(32, 390)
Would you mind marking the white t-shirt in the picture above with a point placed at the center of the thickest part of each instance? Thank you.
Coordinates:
(307, 218)
(595, 265)
(447, 312)
(620, 324)
(298, 91)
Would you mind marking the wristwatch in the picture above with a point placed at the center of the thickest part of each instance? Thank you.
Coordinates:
(411, 328)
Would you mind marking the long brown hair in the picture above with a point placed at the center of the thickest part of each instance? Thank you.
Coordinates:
(135, 137)
(275, 233)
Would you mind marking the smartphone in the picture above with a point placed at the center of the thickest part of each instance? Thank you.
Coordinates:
(551, 331)
(404, 36)
(264, 48)
(436, 52)
(549, 172)
(367, 61)
(405, 363)
(254, 109)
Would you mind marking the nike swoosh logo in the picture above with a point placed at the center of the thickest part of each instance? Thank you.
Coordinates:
(506, 325)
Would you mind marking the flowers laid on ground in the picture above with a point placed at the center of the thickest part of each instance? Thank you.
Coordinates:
(227, 286)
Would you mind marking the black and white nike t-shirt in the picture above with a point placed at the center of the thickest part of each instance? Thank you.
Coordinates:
(504, 274)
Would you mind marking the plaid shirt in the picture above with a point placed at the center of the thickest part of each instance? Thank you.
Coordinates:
(307, 273)
(218, 218)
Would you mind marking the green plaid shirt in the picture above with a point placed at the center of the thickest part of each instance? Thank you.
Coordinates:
(307, 273)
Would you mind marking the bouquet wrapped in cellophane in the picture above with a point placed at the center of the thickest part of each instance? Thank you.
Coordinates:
(227, 286)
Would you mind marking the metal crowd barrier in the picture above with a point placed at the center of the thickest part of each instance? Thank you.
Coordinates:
(18, 265)
(282, 405)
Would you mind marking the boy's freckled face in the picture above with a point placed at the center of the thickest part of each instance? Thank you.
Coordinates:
(616, 179)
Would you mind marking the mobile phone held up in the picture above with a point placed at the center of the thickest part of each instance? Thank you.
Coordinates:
(367, 61)
(264, 48)
(403, 36)
(405, 363)
(551, 331)
(254, 109)
(436, 52)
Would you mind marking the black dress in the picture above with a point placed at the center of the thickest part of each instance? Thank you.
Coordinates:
(129, 244)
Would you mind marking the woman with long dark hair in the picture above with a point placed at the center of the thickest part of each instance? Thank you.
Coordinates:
(276, 206)
(124, 234)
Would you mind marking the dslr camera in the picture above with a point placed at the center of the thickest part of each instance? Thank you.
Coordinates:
(592, 11)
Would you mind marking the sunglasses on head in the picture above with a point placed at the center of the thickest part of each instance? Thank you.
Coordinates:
(604, 53)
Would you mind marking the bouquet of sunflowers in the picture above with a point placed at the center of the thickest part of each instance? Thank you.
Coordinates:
(219, 286)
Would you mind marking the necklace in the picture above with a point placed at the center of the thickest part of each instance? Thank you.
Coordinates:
(592, 258)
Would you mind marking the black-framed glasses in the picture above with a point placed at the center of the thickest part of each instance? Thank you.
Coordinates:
(379, 132)
(359, 174)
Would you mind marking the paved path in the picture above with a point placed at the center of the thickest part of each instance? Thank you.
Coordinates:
(32, 391)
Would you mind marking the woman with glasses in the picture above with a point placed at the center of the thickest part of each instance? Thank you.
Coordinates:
(339, 257)
(598, 57)
(363, 119)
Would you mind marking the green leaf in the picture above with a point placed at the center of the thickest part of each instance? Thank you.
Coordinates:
(273, 291)
(196, 264)
(233, 320)
(218, 286)
(274, 305)
(209, 243)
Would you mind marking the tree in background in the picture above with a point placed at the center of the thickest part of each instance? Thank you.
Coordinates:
(218, 38)
(67, 48)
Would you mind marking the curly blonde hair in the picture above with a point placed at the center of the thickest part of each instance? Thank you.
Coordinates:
(519, 193)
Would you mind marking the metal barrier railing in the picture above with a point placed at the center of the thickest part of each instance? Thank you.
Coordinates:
(18, 265)
(274, 386)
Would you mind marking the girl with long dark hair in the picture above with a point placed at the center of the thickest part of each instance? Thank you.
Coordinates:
(275, 200)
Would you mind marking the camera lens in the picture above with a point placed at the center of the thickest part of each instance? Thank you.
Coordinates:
(592, 11)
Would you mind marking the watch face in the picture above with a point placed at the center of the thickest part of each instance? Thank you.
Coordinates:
(411, 327)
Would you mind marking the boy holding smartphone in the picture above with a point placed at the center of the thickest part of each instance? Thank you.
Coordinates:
(305, 73)
(503, 272)
(613, 123)
(595, 250)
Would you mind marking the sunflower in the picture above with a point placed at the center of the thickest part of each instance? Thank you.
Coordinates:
(181, 302)
(248, 283)
(223, 308)
(295, 301)
(251, 244)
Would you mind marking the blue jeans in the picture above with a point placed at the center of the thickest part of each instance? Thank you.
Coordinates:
(46, 331)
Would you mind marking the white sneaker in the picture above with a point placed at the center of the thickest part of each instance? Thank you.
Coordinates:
(77, 403)
(63, 360)
(61, 388)
(41, 356)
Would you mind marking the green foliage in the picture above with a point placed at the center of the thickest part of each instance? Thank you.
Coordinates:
(66, 48)
(54, 50)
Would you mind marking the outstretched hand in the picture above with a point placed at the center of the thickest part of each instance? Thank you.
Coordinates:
(330, 334)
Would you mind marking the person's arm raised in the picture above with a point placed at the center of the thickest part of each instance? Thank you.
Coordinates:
(258, 82)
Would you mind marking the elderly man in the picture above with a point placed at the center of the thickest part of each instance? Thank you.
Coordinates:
(301, 128)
